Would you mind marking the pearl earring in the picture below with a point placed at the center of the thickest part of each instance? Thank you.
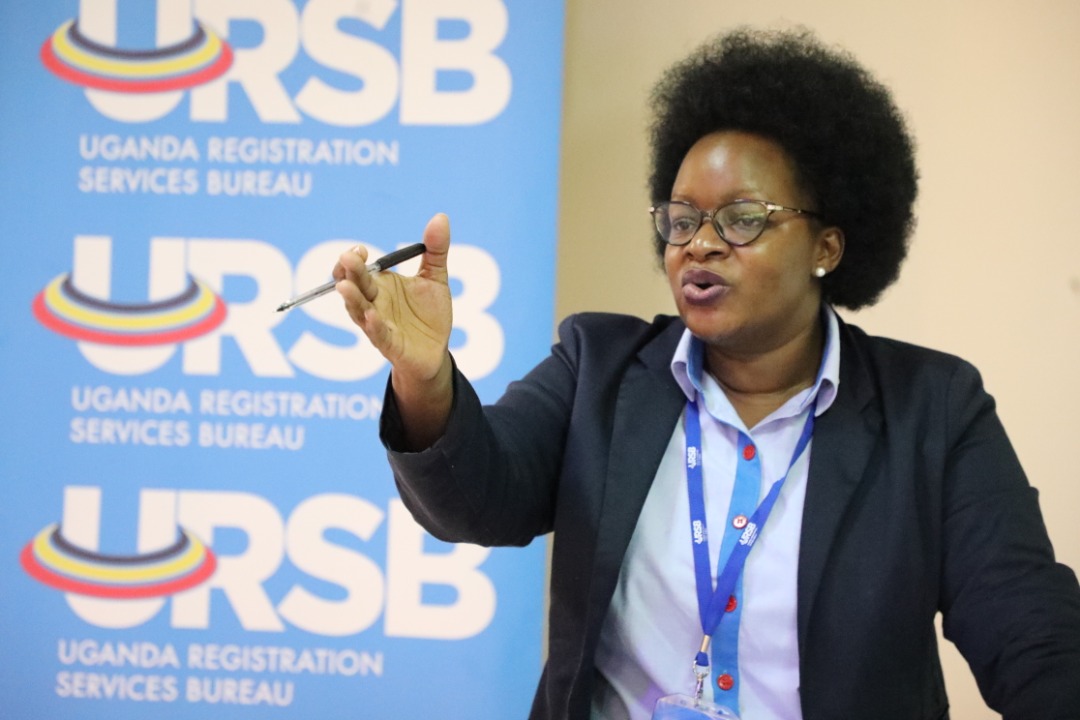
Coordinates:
(820, 272)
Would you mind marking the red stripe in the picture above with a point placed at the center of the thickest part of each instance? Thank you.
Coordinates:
(79, 332)
(153, 85)
(61, 582)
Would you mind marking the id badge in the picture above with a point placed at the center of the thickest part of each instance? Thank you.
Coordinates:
(684, 707)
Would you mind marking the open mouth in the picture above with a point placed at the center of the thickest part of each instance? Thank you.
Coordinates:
(701, 286)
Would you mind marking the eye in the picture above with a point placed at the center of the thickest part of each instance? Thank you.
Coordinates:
(683, 220)
(748, 221)
(683, 224)
(744, 219)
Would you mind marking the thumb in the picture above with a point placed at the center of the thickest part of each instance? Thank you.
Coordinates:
(437, 244)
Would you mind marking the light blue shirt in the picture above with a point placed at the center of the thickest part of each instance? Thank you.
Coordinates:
(652, 630)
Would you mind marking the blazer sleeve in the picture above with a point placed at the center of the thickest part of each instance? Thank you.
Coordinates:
(491, 479)
(1013, 612)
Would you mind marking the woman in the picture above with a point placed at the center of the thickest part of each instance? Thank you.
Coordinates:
(783, 182)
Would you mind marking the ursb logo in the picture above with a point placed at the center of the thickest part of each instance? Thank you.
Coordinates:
(77, 304)
(185, 312)
(135, 80)
(172, 566)
(87, 51)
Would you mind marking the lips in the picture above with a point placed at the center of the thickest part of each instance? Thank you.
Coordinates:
(703, 287)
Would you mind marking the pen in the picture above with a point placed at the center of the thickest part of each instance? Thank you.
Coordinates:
(386, 262)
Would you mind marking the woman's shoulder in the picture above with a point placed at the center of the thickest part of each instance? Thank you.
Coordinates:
(891, 349)
(904, 365)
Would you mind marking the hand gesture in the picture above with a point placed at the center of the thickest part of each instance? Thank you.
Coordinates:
(408, 320)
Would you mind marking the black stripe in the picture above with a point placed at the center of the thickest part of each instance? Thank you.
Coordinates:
(69, 289)
(176, 548)
(196, 39)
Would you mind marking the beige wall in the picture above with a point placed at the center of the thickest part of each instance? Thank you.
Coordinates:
(992, 92)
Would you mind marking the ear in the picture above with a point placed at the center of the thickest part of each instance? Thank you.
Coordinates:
(830, 248)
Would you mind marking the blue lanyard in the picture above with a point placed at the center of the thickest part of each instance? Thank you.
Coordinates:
(712, 604)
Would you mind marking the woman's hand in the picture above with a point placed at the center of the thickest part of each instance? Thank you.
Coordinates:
(408, 320)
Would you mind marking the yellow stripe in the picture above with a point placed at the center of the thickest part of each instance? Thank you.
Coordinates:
(175, 568)
(135, 68)
(57, 302)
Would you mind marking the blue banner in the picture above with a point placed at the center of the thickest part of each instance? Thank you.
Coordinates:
(198, 518)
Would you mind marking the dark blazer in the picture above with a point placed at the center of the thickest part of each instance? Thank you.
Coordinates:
(915, 504)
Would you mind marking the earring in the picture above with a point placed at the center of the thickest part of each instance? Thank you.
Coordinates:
(820, 272)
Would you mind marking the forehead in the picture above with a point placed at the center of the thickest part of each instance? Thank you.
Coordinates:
(728, 165)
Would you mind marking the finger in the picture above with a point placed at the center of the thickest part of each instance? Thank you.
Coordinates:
(346, 262)
(356, 304)
(437, 244)
(352, 261)
(351, 267)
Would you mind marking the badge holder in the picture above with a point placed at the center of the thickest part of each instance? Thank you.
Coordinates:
(684, 707)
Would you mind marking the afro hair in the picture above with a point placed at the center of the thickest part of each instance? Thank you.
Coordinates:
(848, 141)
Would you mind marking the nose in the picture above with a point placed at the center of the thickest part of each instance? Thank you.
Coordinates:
(707, 240)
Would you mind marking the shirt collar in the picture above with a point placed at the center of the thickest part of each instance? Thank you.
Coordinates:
(689, 360)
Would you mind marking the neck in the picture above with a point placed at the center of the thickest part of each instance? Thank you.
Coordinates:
(757, 383)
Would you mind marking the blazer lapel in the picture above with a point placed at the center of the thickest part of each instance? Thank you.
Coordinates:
(647, 408)
(844, 437)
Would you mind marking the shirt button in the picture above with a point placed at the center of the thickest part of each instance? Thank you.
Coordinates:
(732, 603)
(749, 452)
(725, 682)
(739, 522)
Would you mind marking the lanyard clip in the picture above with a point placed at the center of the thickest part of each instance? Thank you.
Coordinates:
(701, 668)
(700, 673)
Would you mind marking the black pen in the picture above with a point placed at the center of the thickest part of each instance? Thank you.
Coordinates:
(386, 262)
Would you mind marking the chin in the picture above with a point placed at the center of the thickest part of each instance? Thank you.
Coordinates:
(709, 328)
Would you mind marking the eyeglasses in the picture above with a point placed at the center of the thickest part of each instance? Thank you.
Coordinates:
(738, 223)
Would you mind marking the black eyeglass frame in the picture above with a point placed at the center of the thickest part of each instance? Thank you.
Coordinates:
(710, 216)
